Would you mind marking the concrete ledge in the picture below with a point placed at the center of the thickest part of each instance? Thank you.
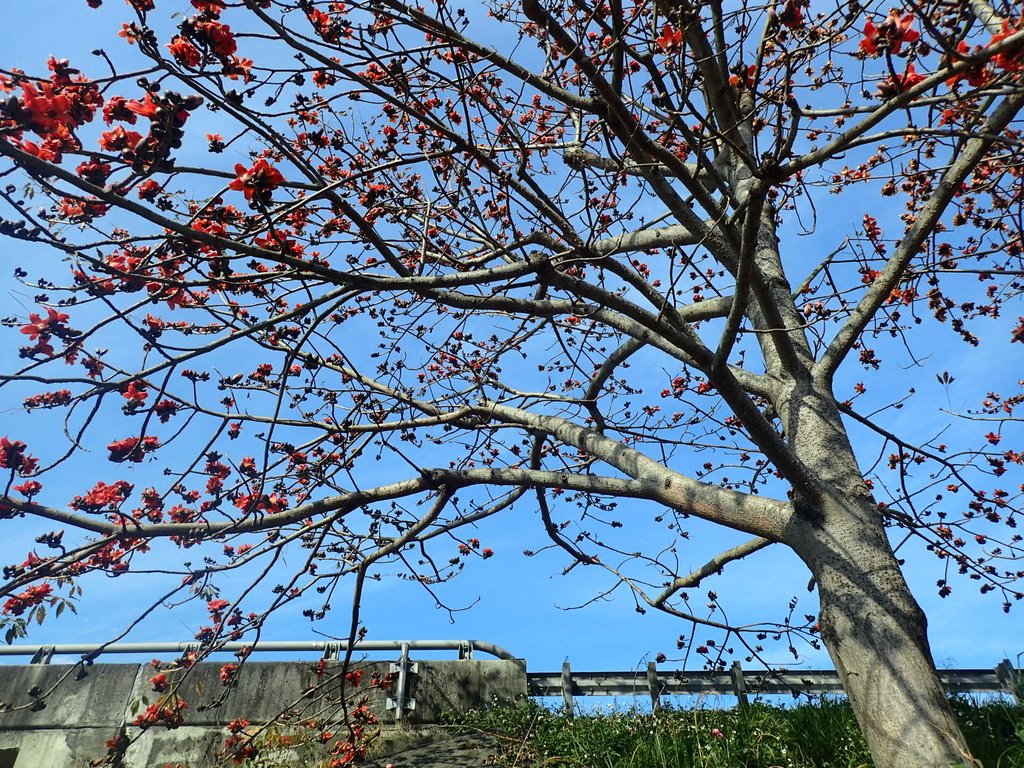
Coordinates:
(442, 687)
(96, 699)
(69, 726)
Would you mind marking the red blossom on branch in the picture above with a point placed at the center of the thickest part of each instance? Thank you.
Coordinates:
(1012, 59)
(12, 456)
(37, 327)
(103, 496)
(158, 682)
(29, 488)
(31, 597)
(256, 182)
(670, 39)
(890, 35)
(184, 52)
(896, 84)
(135, 393)
(216, 36)
(133, 449)
(228, 673)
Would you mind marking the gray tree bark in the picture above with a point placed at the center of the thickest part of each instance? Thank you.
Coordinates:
(873, 628)
(876, 635)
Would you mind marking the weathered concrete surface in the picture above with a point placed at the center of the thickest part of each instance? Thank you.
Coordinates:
(60, 748)
(60, 718)
(96, 699)
(266, 690)
(444, 750)
(440, 687)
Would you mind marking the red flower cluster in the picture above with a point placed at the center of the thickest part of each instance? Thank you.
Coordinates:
(216, 607)
(12, 456)
(257, 502)
(215, 36)
(258, 182)
(149, 189)
(119, 139)
(165, 409)
(897, 84)
(135, 393)
(44, 111)
(29, 488)
(890, 35)
(743, 77)
(228, 673)
(975, 76)
(52, 110)
(167, 712)
(1012, 59)
(184, 52)
(324, 25)
(48, 399)
(132, 449)
(41, 330)
(792, 15)
(103, 496)
(31, 597)
(159, 682)
(670, 39)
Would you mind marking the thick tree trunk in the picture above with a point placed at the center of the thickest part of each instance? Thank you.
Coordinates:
(876, 634)
(871, 624)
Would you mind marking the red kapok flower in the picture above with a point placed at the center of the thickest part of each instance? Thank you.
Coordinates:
(132, 449)
(12, 453)
(29, 488)
(792, 15)
(119, 140)
(159, 682)
(149, 189)
(31, 597)
(890, 35)
(218, 37)
(258, 182)
(1011, 59)
(37, 326)
(897, 84)
(670, 39)
(209, 7)
(184, 52)
(135, 393)
(975, 76)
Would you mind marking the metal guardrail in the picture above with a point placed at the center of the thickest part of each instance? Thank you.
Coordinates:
(739, 683)
(330, 649)
(566, 683)
(401, 703)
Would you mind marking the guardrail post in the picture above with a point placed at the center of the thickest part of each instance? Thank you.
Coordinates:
(1011, 680)
(45, 653)
(401, 702)
(652, 686)
(567, 689)
(739, 683)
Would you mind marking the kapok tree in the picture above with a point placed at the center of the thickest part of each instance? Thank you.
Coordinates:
(347, 278)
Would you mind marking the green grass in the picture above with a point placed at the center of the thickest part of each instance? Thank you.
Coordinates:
(823, 734)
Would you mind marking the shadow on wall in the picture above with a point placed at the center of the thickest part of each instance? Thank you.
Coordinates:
(62, 718)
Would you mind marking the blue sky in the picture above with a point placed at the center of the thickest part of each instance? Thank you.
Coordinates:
(525, 604)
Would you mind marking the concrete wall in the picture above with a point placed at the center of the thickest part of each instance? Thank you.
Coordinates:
(54, 716)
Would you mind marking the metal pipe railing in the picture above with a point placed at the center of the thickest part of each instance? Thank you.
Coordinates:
(465, 648)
